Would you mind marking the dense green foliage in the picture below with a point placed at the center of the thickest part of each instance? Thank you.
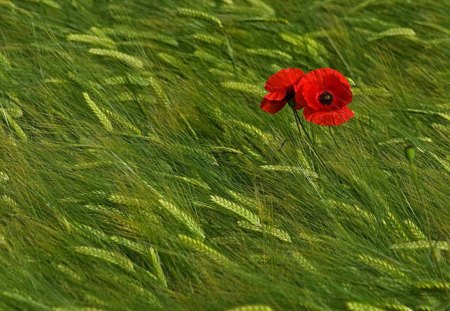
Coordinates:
(138, 172)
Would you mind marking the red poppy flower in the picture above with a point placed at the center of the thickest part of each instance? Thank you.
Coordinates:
(281, 88)
(325, 93)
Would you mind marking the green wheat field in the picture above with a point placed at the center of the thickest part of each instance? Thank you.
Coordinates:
(138, 172)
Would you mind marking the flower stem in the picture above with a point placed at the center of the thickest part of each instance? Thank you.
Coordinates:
(301, 128)
(298, 121)
(332, 136)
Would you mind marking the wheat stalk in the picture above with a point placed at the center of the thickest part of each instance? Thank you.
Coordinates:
(196, 153)
(98, 113)
(92, 165)
(354, 210)
(404, 141)
(304, 263)
(183, 217)
(268, 20)
(422, 244)
(5, 199)
(3, 177)
(157, 266)
(381, 265)
(204, 249)
(103, 209)
(124, 122)
(433, 285)
(255, 155)
(401, 31)
(159, 91)
(252, 130)
(252, 308)
(305, 45)
(443, 129)
(128, 201)
(416, 232)
(138, 248)
(135, 34)
(136, 287)
(133, 61)
(214, 59)
(51, 3)
(443, 162)
(11, 107)
(223, 149)
(398, 229)
(276, 54)
(221, 73)
(185, 12)
(127, 96)
(15, 126)
(250, 202)
(442, 115)
(80, 308)
(243, 87)
(96, 301)
(108, 256)
(4, 61)
(35, 305)
(396, 307)
(84, 83)
(94, 40)
(133, 202)
(192, 181)
(275, 232)
(130, 78)
(116, 80)
(89, 232)
(191, 130)
(68, 271)
(371, 91)
(170, 60)
(310, 238)
(209, 39)
(290, 169)
(358, 306)
(236, 209)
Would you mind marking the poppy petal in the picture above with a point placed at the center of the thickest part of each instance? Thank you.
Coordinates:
(299, 105)
(283, 79)
(272, 106)
(328, 118)
(277, 95)
(336, 83)
(299, 98)
(295, 75)
(310, 93)
(315, 77)
(318, 81)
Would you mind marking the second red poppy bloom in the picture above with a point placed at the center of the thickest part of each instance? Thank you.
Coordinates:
(281, 88)
(324, 93)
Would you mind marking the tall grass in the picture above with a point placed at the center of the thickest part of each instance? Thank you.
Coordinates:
(137, 171)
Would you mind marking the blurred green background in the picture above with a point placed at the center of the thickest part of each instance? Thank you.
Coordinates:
(139, 173)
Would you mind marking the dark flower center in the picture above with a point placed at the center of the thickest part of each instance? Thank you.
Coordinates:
(326, 98)
(290, 94)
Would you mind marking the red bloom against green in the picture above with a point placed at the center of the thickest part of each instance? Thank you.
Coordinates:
(281, 88)
(324, 94)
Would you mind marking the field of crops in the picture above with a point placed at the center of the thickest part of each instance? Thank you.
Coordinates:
(138, 171)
